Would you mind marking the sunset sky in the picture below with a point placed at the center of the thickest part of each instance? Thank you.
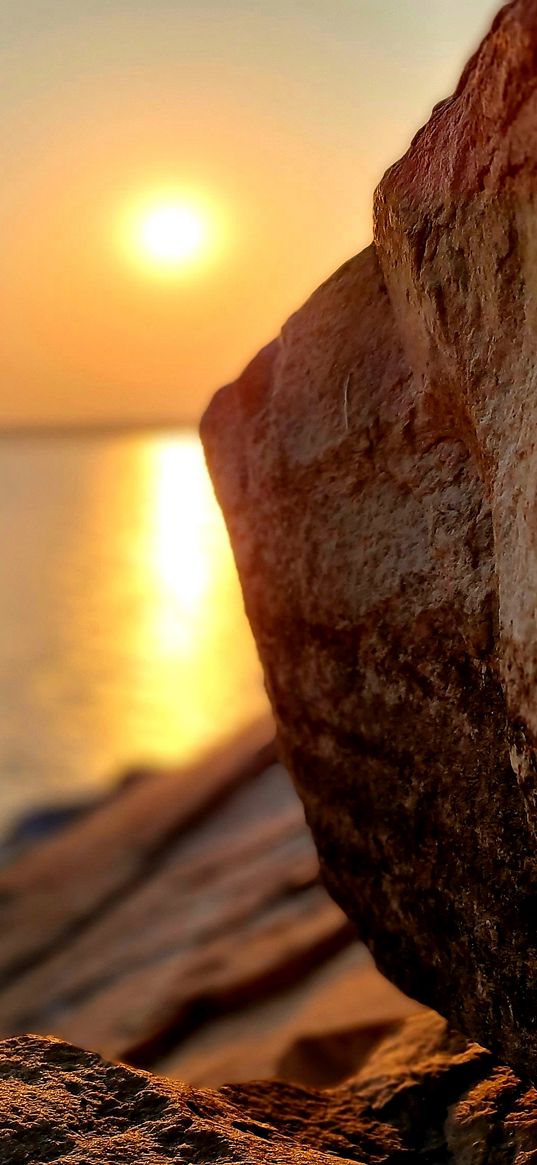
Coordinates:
(266, 124)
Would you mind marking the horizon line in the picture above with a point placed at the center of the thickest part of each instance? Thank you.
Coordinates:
(93, 427)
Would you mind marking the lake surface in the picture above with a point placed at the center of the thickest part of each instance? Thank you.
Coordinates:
(123, 640)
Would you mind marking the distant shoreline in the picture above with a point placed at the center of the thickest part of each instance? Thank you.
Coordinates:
(95, 428)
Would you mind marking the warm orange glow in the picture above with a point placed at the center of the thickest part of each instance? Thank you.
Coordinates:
(255, 117)
(178, 630)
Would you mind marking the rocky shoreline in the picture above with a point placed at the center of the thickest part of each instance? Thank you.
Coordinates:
(171, 925)
(425, 1095)
(377, 468)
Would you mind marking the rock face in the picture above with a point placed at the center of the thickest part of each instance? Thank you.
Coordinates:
(456, 232)
(376, 467)
(425, 1094)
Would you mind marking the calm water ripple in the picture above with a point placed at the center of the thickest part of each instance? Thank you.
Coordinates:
(122, 635)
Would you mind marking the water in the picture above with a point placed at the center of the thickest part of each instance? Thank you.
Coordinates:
(122, 636)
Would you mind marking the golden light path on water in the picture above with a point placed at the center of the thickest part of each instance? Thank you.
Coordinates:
(191, 627)
(124, 640)
(183, 555)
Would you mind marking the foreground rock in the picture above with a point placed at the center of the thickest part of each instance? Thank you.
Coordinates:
(174, 924)
(425, 1094)
(456, 232)
(376, 467)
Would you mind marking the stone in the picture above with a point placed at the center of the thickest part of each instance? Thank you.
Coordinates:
(425, 1093)
(51, 893)
(316, 1030)
(456, 235)
(181, 925)
(376, 468)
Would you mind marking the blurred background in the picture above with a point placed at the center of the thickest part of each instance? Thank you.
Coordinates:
(177, 178)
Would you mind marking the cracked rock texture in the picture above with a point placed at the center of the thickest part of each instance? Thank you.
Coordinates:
(377, 470)
(425, 1093)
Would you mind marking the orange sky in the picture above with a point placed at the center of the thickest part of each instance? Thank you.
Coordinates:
(278, 117)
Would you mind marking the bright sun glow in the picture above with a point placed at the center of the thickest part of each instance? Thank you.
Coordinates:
(171, 234)
(168, 235)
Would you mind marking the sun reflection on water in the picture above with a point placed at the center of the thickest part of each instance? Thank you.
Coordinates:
(182, 555)
(124, 637)
(187, 637)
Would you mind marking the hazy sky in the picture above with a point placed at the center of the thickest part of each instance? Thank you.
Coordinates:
(277, 117)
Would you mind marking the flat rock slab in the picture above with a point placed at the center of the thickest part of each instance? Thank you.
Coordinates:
(173, 923)
(143, 944)
(425, 1094)
(377, 470)
(302, 1034)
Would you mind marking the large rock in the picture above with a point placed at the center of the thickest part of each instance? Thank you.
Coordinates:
(425, 1094)
(377, 472)
(456, 232)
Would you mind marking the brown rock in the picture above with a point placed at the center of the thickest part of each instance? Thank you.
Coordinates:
(178, 921)
(425, 1095)
(381, 506)
(456, 233)
(302, 1034)
(60, 886)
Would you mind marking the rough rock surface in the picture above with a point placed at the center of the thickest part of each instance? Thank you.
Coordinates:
(425, 1095)
(376, 467)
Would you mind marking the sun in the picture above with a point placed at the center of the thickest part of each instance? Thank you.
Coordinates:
(167, 236)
